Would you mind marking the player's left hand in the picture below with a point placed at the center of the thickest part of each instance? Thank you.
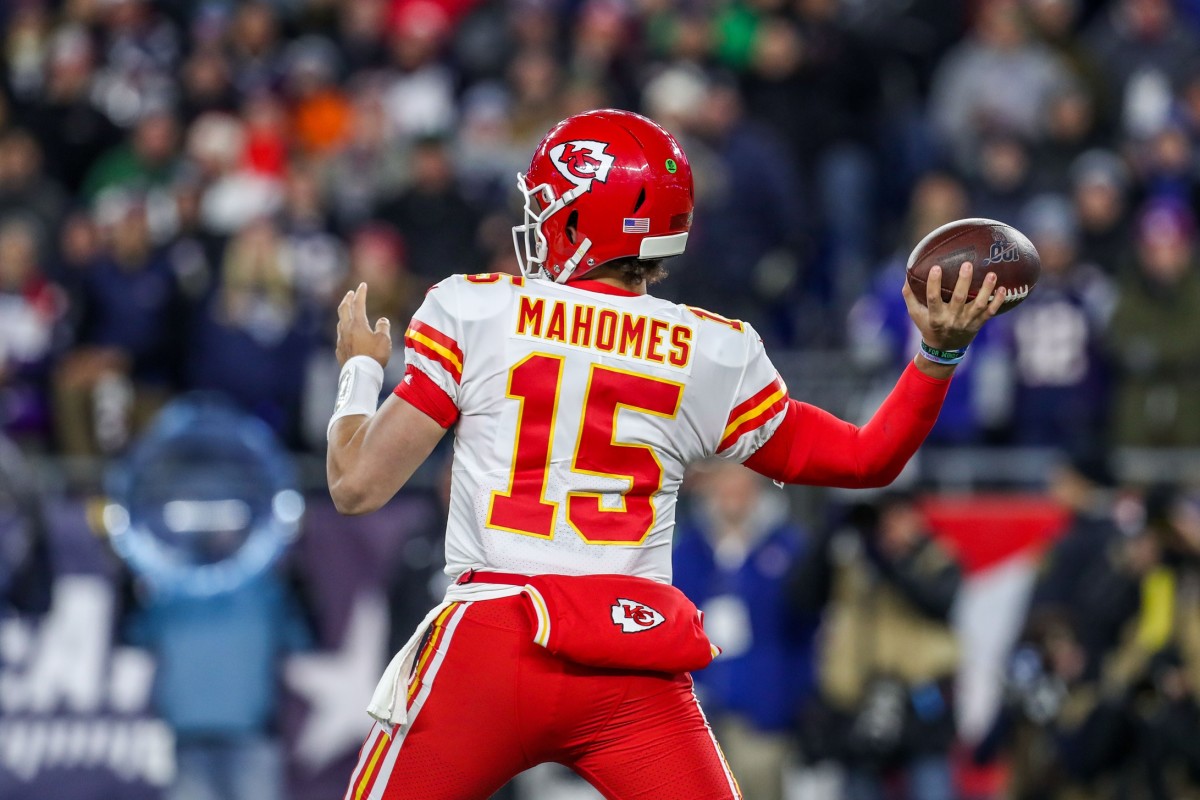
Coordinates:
(951, 325)
(355, 337)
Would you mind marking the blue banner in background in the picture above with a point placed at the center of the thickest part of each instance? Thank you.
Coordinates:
(76, 717)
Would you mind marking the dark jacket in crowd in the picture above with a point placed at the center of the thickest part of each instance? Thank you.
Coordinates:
(138, 311)
(1155, 341)
(889, 655)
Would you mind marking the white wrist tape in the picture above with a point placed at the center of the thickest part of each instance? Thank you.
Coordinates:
(358, 389)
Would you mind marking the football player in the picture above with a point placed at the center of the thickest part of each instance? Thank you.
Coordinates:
(577, 400)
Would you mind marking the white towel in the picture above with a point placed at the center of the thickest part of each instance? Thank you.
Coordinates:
(389, 702)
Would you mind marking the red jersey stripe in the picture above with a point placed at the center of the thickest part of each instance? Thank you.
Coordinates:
(424, 346)
(750, 406)
(433, 334)
(764, 413)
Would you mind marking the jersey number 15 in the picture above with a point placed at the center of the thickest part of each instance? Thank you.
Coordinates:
(535, 382)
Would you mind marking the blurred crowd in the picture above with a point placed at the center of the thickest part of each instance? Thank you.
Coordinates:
(1102, 694)
(186, 186)
(844, 644)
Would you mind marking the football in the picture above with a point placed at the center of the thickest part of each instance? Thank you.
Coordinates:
(990, 246)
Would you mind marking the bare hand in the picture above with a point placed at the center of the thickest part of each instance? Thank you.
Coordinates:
(354, 334)
(953, 325)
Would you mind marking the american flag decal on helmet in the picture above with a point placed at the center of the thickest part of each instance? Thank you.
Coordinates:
(636, 225)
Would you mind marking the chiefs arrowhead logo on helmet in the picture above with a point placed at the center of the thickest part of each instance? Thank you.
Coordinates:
(602, 185)
(634, 617)
(582, 161)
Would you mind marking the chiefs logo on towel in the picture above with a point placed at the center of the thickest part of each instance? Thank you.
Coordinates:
(634, 617)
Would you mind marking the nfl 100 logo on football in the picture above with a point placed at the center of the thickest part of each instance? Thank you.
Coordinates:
(1001, 250)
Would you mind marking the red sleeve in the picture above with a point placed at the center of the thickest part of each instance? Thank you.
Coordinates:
(814, 447)
(419, 391)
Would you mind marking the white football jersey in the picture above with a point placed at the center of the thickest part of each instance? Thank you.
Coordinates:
(579, 411)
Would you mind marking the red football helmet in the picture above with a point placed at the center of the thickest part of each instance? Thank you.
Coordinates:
(618, 181)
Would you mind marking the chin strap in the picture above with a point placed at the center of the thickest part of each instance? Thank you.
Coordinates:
(573, 262)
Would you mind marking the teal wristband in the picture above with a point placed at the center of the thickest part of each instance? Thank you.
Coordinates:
(948, 357)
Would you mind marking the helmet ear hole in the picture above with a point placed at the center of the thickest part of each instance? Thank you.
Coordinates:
(640, 199)
(572, 228)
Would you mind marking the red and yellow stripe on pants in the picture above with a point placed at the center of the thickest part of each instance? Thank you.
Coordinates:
(375, 758)
(368, 763)
(422, 672)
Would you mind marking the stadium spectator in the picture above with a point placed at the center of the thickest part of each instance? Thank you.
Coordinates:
(146, 161)
(1189, 101)
(997, 78)
(732, 559)
(420, 95)
(268, 135)
(1079, 716)
(1002, 179)
(316, 258)
(888, 658)
(28, 32)
(254, 47)
(1069, 129)
(485, 154)
(1135, 725)
(603, 52)
(1055, 23)
(126, 358)
(1143, 51)
(254, 317)
(320, 111)
(1166, 163)
(26, 570)
(77, 247)
(535, 80)
(379, 256)
(362, 29)
(1155, 334)
(25, 191)
(370, 167)
(434, 216)
(1100, 189)
(1045, 701)
(63, 116)
(813, 80)
(1084, 484)
(140, 48)
(206, 84)
(194, 252)
(1056, 343)
(31, 315)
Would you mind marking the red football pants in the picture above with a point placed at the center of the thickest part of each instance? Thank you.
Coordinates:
(486, 703)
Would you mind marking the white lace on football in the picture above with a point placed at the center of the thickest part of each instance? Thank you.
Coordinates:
(528, 239)
(1017, 293)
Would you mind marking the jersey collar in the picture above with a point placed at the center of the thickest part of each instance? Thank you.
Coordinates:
(601, 288)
